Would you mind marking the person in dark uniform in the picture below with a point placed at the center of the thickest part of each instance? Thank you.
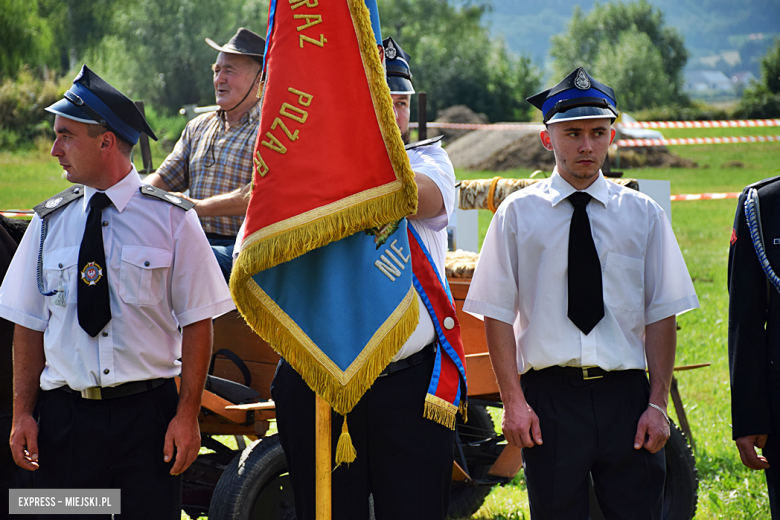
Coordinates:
(121, 302)
(404, 459)
(754, 331)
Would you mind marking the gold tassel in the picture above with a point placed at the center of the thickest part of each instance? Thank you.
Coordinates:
(464, 410)
(345, 451)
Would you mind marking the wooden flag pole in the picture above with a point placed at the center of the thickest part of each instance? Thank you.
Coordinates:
(323, 459)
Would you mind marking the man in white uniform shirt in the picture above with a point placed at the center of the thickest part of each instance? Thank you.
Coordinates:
(120, 304)
(579, 281)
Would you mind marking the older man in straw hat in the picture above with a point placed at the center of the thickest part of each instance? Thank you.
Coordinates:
(213, 158)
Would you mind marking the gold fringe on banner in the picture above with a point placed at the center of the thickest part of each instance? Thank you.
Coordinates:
(342, 390)
(293, 237)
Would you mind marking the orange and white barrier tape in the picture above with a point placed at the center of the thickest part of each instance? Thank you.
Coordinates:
(738, 123)
(475, 126)
(13, 213)
(706, 196)
(627, 143)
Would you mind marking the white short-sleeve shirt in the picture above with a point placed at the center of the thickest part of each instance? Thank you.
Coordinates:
(162, 275)
(521, 275)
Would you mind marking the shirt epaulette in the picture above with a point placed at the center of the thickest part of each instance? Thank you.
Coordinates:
(157, 193)
(59, 201)
(426, 142)
(762, 183)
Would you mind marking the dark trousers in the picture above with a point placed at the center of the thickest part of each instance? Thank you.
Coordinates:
(223, 251)
(588, 428)
(403, 459)
(772, 453)
(112, 443)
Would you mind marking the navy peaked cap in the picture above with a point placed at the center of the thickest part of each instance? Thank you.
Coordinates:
(92, 100)
(578, 96)
(399, 74)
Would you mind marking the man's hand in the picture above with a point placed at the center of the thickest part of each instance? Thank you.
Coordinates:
(652, 432)
(185, 197)
(521, 425)
(184, 434)
(24, 442)
(747, 451)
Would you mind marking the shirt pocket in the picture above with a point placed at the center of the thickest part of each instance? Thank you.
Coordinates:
(624, 283)
(60, 270)
(142, 274)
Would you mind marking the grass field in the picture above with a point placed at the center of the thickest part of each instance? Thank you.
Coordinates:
(727, 489)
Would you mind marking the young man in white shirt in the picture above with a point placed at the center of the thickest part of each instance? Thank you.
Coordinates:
(580, 302)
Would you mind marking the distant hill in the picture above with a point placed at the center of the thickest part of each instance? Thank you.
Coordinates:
(710, 27)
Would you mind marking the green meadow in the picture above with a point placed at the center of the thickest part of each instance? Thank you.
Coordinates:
(703, 228)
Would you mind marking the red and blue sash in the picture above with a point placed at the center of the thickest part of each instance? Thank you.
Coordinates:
(447, 390)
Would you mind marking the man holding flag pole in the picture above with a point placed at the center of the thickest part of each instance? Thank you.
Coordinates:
(352, 295)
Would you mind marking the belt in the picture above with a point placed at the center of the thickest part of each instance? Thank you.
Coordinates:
(414, 359)
(217, 236)
(112, 392)
(580, 373)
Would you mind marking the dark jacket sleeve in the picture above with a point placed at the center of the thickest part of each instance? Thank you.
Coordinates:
(747, 340)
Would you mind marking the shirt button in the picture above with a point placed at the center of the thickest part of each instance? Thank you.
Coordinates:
(60, 266)
(105, 334)
(449, 323)
(146, 264)
(106, 371)
(105, 223)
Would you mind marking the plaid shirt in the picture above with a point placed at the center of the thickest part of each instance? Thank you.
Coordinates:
(208, 160)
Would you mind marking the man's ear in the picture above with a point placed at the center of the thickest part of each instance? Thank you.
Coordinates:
(544, 135)
(107, 140)
(612, 136)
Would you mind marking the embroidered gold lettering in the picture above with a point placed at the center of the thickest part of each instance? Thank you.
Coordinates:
(319, 43)
(260, 165)
(311, 20)
(301, 97)
(295, 4)
(286, 107)
(274, 144)
(399, 251)
(387, 268)
(291, 136)
(394, 259)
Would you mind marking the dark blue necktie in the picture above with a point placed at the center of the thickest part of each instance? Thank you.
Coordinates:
(586, 299)
(93, 302)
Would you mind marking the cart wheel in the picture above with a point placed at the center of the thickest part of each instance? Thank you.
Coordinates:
(682, 481)
(255, 485)
(466, 499)
(682, 478)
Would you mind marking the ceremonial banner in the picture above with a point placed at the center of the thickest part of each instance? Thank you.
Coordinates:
(329, 159)
(324, 274)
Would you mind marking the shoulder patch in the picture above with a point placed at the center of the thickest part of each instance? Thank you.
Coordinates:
(762, 183)
(157, 193)
(59, 201)
(427, 142)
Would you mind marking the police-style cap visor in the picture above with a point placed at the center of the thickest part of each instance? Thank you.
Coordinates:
(583, 112)
(66, 109)
(399, 85)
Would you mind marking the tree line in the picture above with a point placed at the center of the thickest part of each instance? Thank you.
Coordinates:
(155, 50)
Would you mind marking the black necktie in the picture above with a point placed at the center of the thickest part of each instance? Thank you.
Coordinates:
(93, 303)
(586, 300)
